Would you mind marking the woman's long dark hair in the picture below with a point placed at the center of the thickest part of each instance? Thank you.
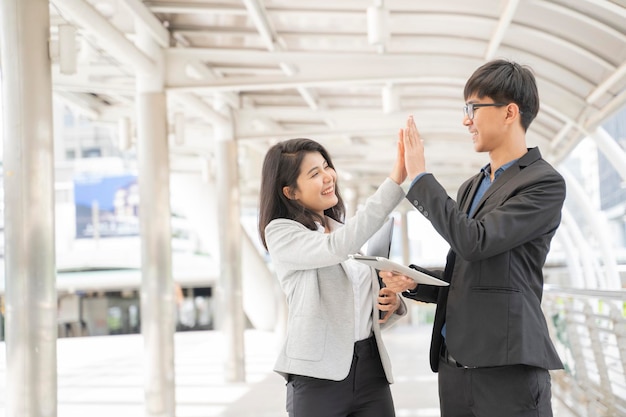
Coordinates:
(281, 167)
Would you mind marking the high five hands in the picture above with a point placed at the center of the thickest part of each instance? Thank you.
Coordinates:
(414, 160)
(410, 157)
(410, 162)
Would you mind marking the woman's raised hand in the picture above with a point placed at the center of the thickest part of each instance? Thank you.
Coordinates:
(414, 159)
(398, 173)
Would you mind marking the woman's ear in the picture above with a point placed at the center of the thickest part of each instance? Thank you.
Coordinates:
(287, 192)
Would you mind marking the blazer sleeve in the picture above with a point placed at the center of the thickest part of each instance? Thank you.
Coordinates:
(425, 293)
(293, 246)
(528, 207)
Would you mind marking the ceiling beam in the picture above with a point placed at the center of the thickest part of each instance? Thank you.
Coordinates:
(188, 7)
(584, 19)
(82, 104)
(387, 130)
(278, 83)
(607, 84)
(611, 107)
(112, 40)
(259, 17)
(144, 16)
(609, 6)
(200, 108)
(503, 24)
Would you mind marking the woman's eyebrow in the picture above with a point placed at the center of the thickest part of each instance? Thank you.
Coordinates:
(317, 167)
(312, 169)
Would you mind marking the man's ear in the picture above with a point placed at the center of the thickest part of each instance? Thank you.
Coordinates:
(512, 111)
(287, 192)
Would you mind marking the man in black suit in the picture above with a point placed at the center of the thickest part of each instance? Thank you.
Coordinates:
(490, 342)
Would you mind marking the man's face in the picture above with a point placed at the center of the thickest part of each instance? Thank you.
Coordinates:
(484, 119)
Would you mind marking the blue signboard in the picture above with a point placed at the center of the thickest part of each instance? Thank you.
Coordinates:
(111, 202)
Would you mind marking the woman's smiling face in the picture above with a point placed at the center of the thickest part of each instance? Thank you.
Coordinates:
(315, 184)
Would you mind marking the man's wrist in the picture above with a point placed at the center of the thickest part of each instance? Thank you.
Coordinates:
(417, 177)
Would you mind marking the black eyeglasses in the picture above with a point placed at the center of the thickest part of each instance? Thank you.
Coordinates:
(468, 109)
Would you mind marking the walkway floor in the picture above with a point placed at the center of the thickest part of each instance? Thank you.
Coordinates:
(103, 376)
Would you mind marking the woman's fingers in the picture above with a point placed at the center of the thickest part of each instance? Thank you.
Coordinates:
(387, 302)
(386, 317)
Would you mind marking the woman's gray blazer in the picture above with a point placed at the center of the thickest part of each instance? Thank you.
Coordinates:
(310, 268)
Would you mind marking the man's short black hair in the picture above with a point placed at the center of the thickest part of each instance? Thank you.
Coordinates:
(505, 82)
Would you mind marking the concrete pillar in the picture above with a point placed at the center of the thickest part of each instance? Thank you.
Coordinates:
(231, 319)
(157, 286)
(31, 301)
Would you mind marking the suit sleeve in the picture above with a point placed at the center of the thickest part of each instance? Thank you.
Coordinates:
(425, 293)
(513, 216)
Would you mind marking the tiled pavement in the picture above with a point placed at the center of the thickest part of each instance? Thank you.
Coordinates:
(103, 376)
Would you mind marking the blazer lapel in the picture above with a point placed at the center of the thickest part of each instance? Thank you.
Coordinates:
(531, 156)
(468, 194)
(501, 180)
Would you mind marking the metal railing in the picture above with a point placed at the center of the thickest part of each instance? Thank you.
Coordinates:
(589, 330)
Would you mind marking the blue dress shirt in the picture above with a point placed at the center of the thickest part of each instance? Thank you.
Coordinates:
(485, 183)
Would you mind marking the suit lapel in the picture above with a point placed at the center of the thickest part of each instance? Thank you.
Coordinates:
(531, 156)
(468, 195)
(499, 182)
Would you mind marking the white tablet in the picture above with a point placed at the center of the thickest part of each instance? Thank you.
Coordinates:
(384, 264)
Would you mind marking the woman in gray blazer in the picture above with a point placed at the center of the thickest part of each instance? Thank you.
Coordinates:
(333, 358)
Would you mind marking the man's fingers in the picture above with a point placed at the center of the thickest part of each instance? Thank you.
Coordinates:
(413, 128)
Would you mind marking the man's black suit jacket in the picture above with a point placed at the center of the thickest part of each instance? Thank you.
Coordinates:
(492, 308)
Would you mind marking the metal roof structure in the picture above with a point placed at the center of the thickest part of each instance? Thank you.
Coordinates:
(232, 77)
(345, 73)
